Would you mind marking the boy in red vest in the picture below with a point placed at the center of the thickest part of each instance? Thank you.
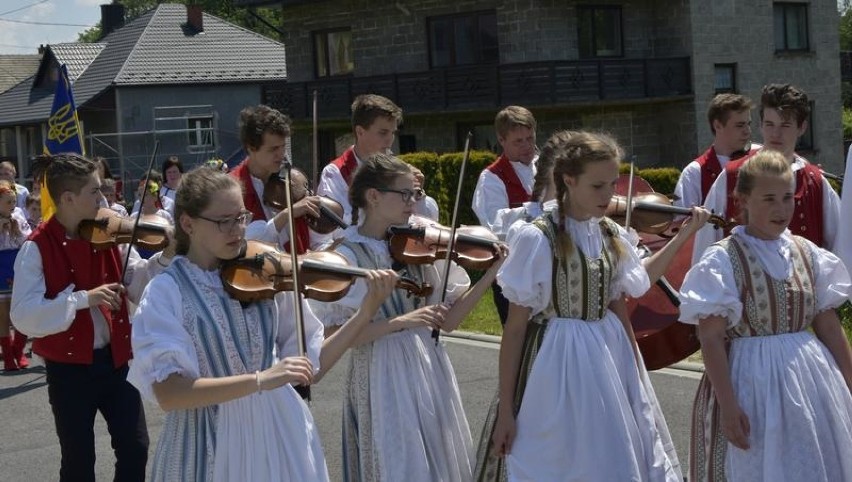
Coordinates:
(70, 297)
(375, 121)
(729, 116)
(264, 133)
(507, 183)
(784, 111)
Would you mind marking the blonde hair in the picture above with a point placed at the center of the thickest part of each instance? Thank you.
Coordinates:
(764, 163)
(570, 152)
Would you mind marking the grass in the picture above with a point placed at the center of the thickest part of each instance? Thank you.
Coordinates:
(483, 318)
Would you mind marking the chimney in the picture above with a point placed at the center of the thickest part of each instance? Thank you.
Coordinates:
(112, 18)
(195, 18)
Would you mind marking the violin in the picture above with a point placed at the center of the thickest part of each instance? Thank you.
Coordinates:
(261, 270)
(653, 213)
(331, 212)
(109, 229)
(474, 246)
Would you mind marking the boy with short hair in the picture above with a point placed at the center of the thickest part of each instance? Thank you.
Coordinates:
(77, 313)
(729, 117)
(784, 111)
(108, 190)
(375, 122)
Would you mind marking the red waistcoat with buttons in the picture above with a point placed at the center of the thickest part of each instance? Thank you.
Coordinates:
(515, 190)
(68, 261)
(711, 167)
(808, 214)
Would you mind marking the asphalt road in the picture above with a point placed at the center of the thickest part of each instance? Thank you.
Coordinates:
(29, 448)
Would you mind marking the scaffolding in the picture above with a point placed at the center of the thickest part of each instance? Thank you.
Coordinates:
(189, 132)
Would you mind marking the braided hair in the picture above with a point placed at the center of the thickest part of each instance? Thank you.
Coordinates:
(570, 152)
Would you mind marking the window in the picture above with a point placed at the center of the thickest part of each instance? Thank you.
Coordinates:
(200, 132)
(806, 140)
(725, 78)
(484, 136)
(791, 26)
(600, 33)
(465, 39)
(407, 143)
(333, 53)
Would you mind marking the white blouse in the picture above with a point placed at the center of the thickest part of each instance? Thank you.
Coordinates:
(14, 242)
(162, 346)
(336, 313)
(526, 275)
(710, 289)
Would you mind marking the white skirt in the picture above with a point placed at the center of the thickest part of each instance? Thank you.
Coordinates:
(268, 436)
(589, 413)
(799, 411)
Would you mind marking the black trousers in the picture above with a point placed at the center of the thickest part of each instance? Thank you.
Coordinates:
(500, 302)
(76, 393)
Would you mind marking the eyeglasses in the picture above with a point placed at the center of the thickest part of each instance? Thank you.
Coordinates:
(407, 194)
(227, 226)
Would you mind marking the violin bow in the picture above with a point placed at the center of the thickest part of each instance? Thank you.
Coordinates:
(304, 390)
(451, 245)
(315, 153)
(629, 201)
(139, 214)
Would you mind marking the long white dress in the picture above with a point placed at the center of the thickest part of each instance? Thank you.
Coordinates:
(588, 412)
(784, 378)
(187, 324)
(402, 412)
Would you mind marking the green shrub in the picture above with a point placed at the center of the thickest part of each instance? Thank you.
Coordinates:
(847, 123)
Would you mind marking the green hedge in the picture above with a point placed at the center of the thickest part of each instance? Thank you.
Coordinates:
(442, 173)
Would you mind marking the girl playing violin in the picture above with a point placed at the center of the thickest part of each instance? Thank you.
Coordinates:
(774, 402)
(403, 416)
(578, 401)
(222, 369)
(14, 230)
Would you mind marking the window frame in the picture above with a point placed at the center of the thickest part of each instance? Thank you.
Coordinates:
(733, 89)
(477, 15)
(592, 9)
(315, 49)
(786, 7)
(196, 132)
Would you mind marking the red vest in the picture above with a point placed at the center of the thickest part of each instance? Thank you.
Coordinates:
(503, 169)
(76, 261)
(808, 214)
(252, 202)
(711, 167)
(347, 164)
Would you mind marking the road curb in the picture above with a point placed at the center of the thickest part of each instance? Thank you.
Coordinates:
(467, 335)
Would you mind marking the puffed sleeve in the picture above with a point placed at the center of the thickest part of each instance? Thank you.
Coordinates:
(832, 286)
(457, 284)
(161, 345)
(710, 289)
(287, 343)
(525, 276)
(631, 277)
(338, 312)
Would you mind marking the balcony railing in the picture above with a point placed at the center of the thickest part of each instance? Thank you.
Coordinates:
(551, 83)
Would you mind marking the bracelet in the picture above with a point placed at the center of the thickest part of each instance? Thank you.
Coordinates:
(257, 380)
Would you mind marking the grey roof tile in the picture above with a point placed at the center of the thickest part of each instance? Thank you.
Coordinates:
(15, 68)
(153, 49)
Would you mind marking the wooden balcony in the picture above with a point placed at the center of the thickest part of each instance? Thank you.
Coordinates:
(487, 87)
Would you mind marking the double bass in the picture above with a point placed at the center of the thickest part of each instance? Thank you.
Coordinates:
(662, 339)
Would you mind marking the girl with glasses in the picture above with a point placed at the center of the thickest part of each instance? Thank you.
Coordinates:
(403, 417)
(224, 370)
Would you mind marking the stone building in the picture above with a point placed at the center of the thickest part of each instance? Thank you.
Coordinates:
(643, 70)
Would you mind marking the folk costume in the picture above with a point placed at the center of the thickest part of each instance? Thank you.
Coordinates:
(188, 325)
(86, 349)
(501, 187)
(784, 378)
(402, 412)
(262, 227)
(12, 344)
(579, 372)
(698, 176)
(816, 215)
